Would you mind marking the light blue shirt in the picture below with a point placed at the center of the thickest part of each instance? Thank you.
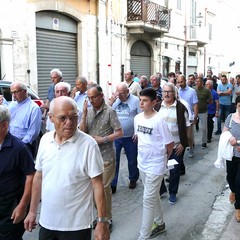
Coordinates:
(126, 112)
(25, 121)
(189, 95)
(225, 100)
(79, 99)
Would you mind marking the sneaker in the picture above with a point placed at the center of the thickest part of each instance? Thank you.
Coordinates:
(190, 153)
(172, 199)
(132, 184)
(157, 229)
(204, 145)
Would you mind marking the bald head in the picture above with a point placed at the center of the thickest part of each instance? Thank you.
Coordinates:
(123, 91)
(61, 103)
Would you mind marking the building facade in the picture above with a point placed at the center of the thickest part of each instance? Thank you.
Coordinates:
(101, 39)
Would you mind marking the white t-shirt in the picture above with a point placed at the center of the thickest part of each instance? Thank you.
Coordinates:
(153, 136)
(67, 169)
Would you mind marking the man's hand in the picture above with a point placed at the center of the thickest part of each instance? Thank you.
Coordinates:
(18, 214)
(179, 149)
(30, 222)
(102, 231)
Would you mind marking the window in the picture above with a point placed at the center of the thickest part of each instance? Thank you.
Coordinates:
(210, 31)
(179, 4)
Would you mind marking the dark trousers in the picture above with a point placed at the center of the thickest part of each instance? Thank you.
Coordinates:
(224, 112)
(210, 126)
(45, 234)
(130, 148)
(8, 230)
(174, 174)
(233, 178)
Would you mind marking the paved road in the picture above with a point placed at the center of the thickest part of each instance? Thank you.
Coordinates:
(202, 198)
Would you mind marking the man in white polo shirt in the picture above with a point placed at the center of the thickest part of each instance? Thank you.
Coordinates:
(69, 170)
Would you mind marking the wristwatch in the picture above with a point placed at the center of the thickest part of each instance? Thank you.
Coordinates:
(102, 219)
(105, 140)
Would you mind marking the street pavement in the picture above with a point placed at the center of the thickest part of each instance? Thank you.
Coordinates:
(202, 211)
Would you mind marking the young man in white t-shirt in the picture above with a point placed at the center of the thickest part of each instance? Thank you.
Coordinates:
(155, 144)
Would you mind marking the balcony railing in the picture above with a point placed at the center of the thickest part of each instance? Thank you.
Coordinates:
(149, 12)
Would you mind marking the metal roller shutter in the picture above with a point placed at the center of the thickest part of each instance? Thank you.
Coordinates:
(55, 49)
(141, 65)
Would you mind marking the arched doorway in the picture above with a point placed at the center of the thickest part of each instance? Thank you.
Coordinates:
(141, 59)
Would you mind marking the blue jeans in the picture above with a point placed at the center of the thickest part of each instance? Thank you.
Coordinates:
(224, 112)
(130, 148)
(174, 174)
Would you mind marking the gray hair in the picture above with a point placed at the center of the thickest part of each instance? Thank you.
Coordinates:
(66, 85)
(56, 70)
(171, 85)
(21, 85)
(157, 77)
(4, 114)
(144, 77)
(82, 79)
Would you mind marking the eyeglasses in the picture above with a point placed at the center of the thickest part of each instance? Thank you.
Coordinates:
(93, 97)
(17, 91)
(64, 118)
(167, 92)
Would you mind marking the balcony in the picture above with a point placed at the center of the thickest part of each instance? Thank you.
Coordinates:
(144, 16)
(197, 36)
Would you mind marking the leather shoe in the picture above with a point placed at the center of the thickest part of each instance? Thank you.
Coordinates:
(232, 198)
(114, 189)
(132, 184)
(237, 215)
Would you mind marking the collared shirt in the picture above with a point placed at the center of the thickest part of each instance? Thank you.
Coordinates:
(103, 123)
(134, 88)
(16, 163)
(80, 98)
(51, 92)
(236, 88)
(225, 100)
(67, 170)
(189, 95)
(169, 114)
(126, 112)
(25, 121)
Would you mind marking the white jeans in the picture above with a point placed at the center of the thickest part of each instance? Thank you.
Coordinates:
(203, 120)
(152, 208)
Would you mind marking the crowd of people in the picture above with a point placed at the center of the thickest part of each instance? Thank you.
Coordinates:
(78, 159)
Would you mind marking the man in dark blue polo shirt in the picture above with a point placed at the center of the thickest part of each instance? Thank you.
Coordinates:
(16, 174)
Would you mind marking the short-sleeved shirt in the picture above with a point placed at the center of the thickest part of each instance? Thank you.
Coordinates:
(204, 96)
(67, 170)
(126, 112)
(134, 88)
(224, 100)
(169, 115)
(189, 95)
(153, 136)
(212, 106)
(236, 88)
(51, 93)
(15, 163)
(103, 123)
(235, 131)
